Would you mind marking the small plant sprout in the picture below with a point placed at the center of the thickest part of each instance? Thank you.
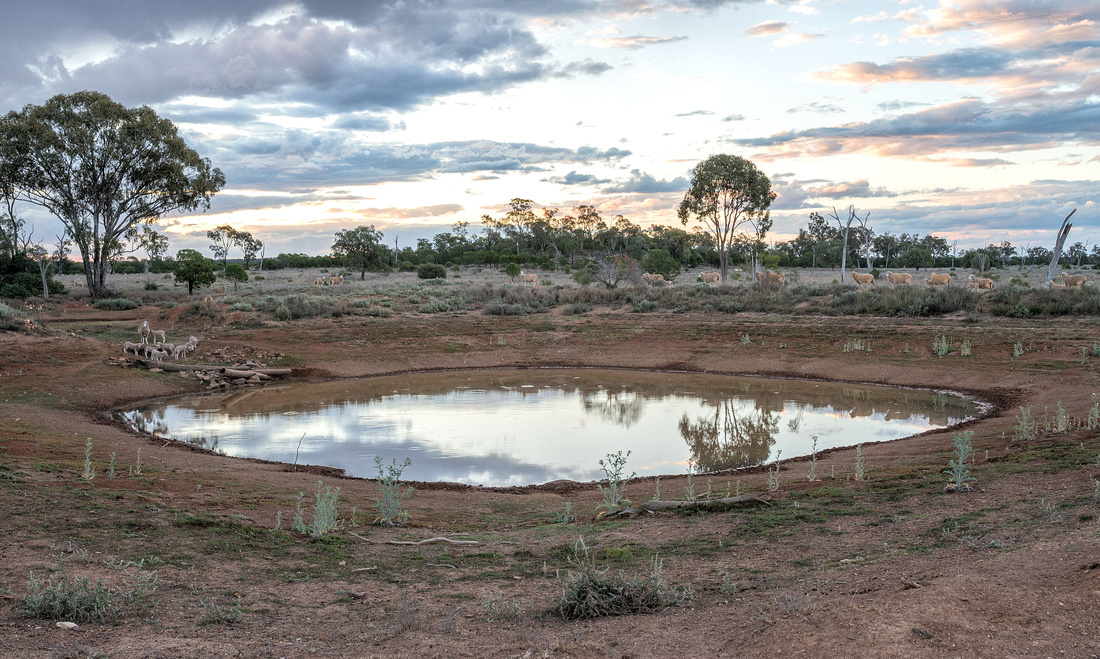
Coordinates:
(1025, 428)
(1095, 349)
(1061, 421)
(657, 493)
(964, 350)
(111, 467)
(1094, 414)
(325, 516)
(940, 346)
(905, 350)
(89, 471)
(135, 469)
(773, 474)
(857, 344)
(860, 473)
(567, 517)
(958, 468)
(614, 494)
(745, 340)
(299, 523)
(689, 492)
(391, 494)
(813, 461)
(1017, 349)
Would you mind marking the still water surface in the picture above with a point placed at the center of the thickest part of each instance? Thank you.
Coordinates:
(519, 427)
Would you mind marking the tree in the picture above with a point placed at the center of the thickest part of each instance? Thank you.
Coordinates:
(512, 270)
(660, 262)
(224, 237)
(727, 192)
(362, 250)
(619, 269)
(249, 246)
(917, 257)
(154, 244)
(193, 268)
(235, 273)
(102, 169)
(844, 228)
(63, 248)
(1063, 233)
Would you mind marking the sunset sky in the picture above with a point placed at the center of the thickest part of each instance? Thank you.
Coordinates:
(974, 120)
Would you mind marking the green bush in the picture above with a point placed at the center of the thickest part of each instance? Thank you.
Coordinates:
(431, 271)
(79, 600)
(117, 304)
(10, 319)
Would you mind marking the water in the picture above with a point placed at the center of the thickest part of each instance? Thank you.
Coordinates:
(518, 427)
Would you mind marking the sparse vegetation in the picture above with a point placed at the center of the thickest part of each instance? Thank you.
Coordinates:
(391, 494)
(614, 486)
(958, 467)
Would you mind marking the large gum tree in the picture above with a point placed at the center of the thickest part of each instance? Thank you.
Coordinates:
(103, 169)
(727, 192)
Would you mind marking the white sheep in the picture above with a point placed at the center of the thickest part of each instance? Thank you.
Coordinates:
(143, 331)
(654, 279)
(528, 279)
(1073, 281)
(127, 347)
(899, 278)
(710, 277)
(158, 333)
(861, 279)
(938, 280)
(980, 282)
(157, 355)
(769, 277)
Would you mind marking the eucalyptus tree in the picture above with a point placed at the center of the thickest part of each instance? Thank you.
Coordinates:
(1060, 240)
(362, 249)
(726, 193)
(103, 169)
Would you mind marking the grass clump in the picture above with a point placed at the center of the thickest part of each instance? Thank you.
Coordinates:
(10, 319)
(326, 518)
(77, 599)
(391, 493)
(591, 592)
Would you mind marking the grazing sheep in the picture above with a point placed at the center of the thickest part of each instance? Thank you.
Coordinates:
(320, 281)
(78, 284)
(938, 280)
(218, 291)
(1073, 281)
(147, 350)
(768, 277)
(156, 333)
(710, 277)
(335, 281)
(157, 355)
(899, 278)
(127, 347)
(980, 282)
(862, 279)
(653, 279)
(528, 279)
(143, 330)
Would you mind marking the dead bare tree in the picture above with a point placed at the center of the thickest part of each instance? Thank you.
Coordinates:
(1063, 233)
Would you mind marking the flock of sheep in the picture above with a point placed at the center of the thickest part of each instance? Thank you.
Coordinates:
(332, 281)
(150, 349)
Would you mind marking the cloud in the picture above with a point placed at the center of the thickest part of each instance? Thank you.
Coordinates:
(768, 29)
(640, 182)
(795, 194)
(633, 43)
(694, 113)
(573, 178)
(733, 117)
(367, 123)
(820, 108)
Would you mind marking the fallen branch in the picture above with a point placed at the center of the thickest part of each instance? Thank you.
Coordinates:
(654, 505)
(415, 542)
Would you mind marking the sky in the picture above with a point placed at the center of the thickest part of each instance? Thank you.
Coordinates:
(975, 120)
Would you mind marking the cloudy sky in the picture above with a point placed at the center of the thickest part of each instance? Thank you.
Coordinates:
(977, 120)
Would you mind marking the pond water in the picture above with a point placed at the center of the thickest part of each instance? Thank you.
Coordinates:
(518, 427)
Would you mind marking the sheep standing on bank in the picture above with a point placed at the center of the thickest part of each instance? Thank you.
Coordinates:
(158, 333)
(903, 278)
(1073, 281)
(144, 331)
(128, 347)
(978, 283)
(862, 279)
(938, 280)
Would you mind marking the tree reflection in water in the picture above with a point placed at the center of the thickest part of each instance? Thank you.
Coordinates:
(621, 407)
(729, 439)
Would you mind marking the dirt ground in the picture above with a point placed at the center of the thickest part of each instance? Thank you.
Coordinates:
(890, 566)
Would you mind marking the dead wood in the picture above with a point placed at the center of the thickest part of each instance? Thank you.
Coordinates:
(415, 542)
(654, 505)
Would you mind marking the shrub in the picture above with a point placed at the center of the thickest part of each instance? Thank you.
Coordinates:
(431, 271)
(591, 592)
(502, 309)
(282, 312)
(57, 597)
(151, 286)
(117, 304)
(614, 494)
(958, 468)
(391, 494)
(10, 319)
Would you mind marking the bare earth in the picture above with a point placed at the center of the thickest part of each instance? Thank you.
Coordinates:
(893, 566)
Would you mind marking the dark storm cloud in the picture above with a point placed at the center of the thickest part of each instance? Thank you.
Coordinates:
(367, 123)
(640, 182)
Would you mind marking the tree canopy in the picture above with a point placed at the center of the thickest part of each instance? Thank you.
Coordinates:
(362, 250)
(194, 269)
(102, 169)
(726, 193)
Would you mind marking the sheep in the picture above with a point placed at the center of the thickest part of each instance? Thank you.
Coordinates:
(181, 351)
(127, 347)
(143, 331)
(654, 279)
(710, 277)
(320, 281)
(78, 284)
(769, 277)
(335, 281)
(147, 350)
(156, 333)
(980, 282)
(208, 300)
(1073, 281)
(861, 279)
(157, 355)
(938, 280)
(528, 279)
(218, 291)
(899, 278)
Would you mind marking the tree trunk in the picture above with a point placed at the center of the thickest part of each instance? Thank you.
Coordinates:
(1063, 233)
